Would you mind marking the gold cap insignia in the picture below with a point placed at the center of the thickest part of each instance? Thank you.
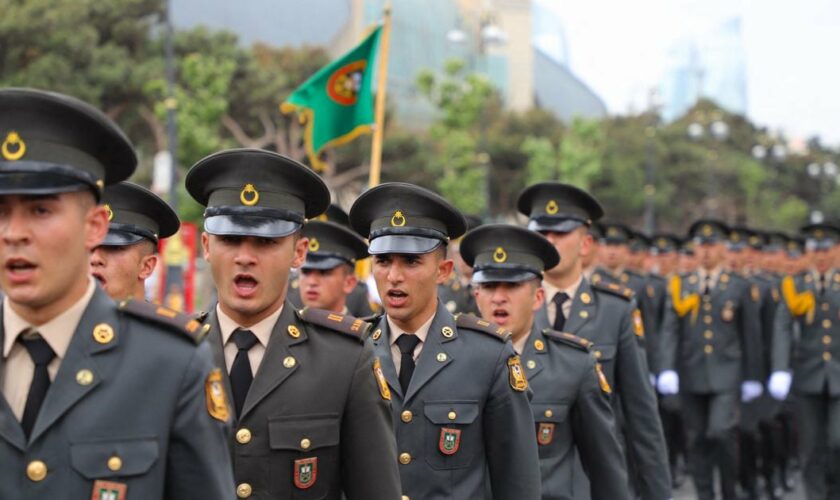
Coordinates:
(249, 196)
(103, 333)
(551, 207)
(13, 147)
(110, 212)
(707, 230)
(753, 240)
(612, 231)
(314, 245)
(500, 255)
(322, 217)
(735, 237)
(214, 391)
(819, 233)
(293, 331)
(662, 243)
(398, 219)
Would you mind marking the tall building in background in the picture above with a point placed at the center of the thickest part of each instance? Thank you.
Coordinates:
(712, 65)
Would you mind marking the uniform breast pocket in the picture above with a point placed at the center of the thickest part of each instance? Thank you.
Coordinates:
(114, 458)
(304, 451)
(605, 354)
(550, 420)
(453, 437)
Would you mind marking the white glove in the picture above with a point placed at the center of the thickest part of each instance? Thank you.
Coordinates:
(750, 389)
(668, 383)
(779, 385)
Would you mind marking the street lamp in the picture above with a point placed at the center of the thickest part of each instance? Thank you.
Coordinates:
(819, 172)
(719, 131)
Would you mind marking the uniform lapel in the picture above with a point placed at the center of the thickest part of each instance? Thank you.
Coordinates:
(83, 353)
(436, 353)
(582, 309)
(533, 356)
(382, 349)
(273, 370)
(10, 428)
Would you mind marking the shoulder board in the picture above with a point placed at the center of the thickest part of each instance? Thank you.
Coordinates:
(191, 328)
(614, 289)
(200, 316)
(335, 322)
(475, 323)
(373, 318)
(568, 339)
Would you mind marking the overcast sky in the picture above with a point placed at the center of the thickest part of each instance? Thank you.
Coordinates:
(793, 79)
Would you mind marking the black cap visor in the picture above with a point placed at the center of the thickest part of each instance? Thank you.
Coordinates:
(498, 275)
(117, 238)
(249, 225)
(323, 262)
(554, 224)
(402, 243)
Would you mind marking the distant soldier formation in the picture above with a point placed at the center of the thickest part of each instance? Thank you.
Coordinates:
(567, 357)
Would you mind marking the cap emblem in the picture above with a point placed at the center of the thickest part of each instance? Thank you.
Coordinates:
(249, 196)
(707, 230)
(314, 245)
(499, 255)
(819, 233)
(753, 240)
(612, 232)
(398, 219)
(736, 237)
(322, 217)
(551, 207)
(13, 147)
(110, 212)
(662, 243)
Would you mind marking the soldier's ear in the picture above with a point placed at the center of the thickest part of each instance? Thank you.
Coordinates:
(444, 270)
(205, 245)
(539, 298)
(301, 247)
(96, 226)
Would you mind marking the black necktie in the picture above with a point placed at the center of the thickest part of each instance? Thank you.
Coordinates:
(707, 285)
(559, 299)
(822, 283)
(406, 343)
(41, 354)
(240, 371)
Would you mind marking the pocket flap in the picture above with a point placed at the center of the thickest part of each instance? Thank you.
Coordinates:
(604, 352)
(550, 412)
(303, 432)
(104, 459)
(455, 412)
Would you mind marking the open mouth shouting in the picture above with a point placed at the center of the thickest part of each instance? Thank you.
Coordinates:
(396, 298)
(245, 285)
(500, 316)
(19, 270)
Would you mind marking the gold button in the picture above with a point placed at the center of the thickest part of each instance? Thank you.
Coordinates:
(114, 463)
(585, 298)
(441, 357)
(407, 416)
(305, 443)
(826, 323)
(405, 458)
(826, 356)
(405, 497)
(531, 364)
(103, 333)
(539, 345)
(293, 331)
(244, 490)
(826, 339)
(708, 334)
(707, 320)
(84, 377)
(584, 314)
(452, 415)
(707, 307)
(598, 354)
(36, 470)
(549, 413)
(289, 362)
(243, 436)
(708, 349)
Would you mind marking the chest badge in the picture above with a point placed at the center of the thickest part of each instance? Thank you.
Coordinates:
(450, 441)
(545, 433)
(384, 391)
(306, 472)
(217, 402)
(518, 382)
(107, 490)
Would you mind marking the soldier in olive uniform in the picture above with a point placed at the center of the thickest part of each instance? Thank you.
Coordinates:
(311, 419)
(805, 354)
(571, 402)
(98, 400)
(137, 220)
(357, 301)
(711, 355)
(607, 316)
(459, 394)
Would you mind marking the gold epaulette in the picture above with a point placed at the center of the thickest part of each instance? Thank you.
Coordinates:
(474, 323)
(615, 289)
(568, 339)
(346, 324)
(174, 321)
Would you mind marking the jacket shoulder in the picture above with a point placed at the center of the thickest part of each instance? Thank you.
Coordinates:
(614, 289)
(470, 322)
(568, 339)
(334, 322)
(187, 326)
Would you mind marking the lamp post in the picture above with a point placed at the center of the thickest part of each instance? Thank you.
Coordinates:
(718, 130)
(820, 173)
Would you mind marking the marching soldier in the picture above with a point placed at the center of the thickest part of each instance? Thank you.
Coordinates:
(607, 316)
(571, 402)
(459, 394)
(311, 420)
(807, 324)
(711, 355)
(137, 220)
(99, 400)
(328, 277)
(456, 293)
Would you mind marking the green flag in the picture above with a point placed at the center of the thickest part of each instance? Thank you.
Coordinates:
(336, 103)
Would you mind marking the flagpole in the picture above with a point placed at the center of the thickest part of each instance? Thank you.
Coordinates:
(379, 109)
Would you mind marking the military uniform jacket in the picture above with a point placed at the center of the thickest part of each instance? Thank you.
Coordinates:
(462, 431)
(314, 423)
(456, 297)
(130, 408)
(815, 357)
(716, 343)
(605, 315)
(572, 410)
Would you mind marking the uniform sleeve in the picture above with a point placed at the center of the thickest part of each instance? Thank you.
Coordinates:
(510, 439)
(198, 462)
(751, 336)
(646, 442)
(368, 447)
(782, 338)
(669, 340)
(596, 438)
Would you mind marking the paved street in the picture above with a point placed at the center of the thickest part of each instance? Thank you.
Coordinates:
(686, 492)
